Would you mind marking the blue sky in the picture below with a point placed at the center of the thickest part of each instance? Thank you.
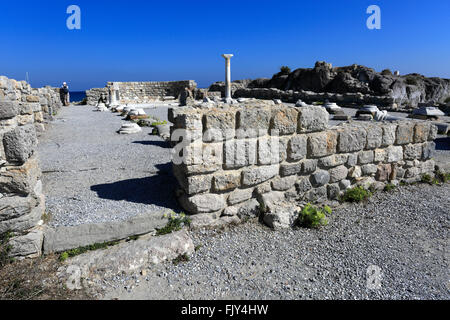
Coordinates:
(175, 40)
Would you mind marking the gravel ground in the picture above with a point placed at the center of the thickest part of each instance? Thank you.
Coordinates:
(404, 233)
(92, 174)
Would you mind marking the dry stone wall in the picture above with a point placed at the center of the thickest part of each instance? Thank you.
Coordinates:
(231, 162)
(22, 113)
(94, 94)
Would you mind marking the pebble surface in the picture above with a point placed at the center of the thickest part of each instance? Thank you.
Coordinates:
(401, 236)
(92, 174)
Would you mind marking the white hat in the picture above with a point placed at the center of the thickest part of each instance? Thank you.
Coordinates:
(64, 83)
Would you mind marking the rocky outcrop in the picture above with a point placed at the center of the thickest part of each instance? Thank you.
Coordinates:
(385, 88)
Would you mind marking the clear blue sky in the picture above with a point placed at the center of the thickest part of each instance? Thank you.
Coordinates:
(176, 40)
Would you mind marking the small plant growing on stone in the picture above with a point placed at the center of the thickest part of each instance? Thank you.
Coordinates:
(76, 252)
(5, 248)
(357, 194)
(313, 217)
(390, 187)
(176, 223)
(442, 177)
(284, 70)
(426, 178)
(180, 259)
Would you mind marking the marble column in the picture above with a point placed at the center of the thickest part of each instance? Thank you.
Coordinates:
(227, 75)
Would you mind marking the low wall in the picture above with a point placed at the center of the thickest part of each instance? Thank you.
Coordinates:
(226, 171)
(94, 94)
(346, 99)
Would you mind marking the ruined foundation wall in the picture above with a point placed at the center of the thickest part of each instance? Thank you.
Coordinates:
(93, 95)
(226, 173)
(346, 99)
(145, 92)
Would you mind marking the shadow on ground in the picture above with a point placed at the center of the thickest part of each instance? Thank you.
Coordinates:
(158, 143)
(443, 143)
(158, 189)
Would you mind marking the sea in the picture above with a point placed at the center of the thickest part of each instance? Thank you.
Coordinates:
(77, 96)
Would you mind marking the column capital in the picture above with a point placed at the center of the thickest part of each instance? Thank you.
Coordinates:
(228, 56)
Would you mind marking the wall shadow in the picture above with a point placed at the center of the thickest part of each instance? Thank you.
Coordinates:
(158, 143)
(158, 189)
(442, 143)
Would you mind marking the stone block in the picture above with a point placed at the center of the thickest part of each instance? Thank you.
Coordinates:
(421, 132)
(309, 166)
(32, 99)
(219, 125)
(365, 157)
(394, 153)
(333, 191)
(252, 122)
(351, 139)
(288, 169)
(227, 181)
(369, 169)
(374, 136)
(412, 151)
(283, 184)
(433, 132)
(20, 180)
(240, 153)
(284, 121)
(27, 246)
(269, 150)
(15, 207)
(322, 144)
(380, 155)
(317, 194)
(239, 196)
(333, 160)
(303, 185)
(20, 143)
(312, 119)
(405, 133)
(204, 203)
(8, 109)
(257, 175)
(389, 134)
(297, 148)
(337, 174)
(320, 178)
(428, 150)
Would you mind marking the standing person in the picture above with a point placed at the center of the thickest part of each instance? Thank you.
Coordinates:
(65, 95)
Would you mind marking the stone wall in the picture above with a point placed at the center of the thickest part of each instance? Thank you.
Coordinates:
(23, 112)
(22, 203)
(93, 95)
(230, 170)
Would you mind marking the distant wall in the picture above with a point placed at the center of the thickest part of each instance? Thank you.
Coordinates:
(226, 173)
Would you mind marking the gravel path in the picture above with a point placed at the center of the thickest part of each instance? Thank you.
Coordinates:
(92, 174)
(404, 233)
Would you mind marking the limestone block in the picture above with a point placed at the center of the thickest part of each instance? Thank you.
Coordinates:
(23, 120)
(421, 132)
(239, 196)
(8, 109)
(284, 121)
(433, 133)
(405, 133)
(312, 119)
(351, 139)
(28, 246)
(369, 169)
(352, 160)
(297, 148)
(428, 167)
(412, 172)
(394, 153)
(205, 203)
(269, 150)
(32, 99)
(333, 160)
(303, 185)
(283, 184)
(24, 222)
(219, 125)
(288, 169)
(355, 172)
(428, 150)
(333, 191)
(239, 153)
(322, 144)
(380, 155)
(412, 151)
(15, 207)
(227, 181)
(317, 194)
(337, 174)
(20, 143)
(249, 209)
(309, 166)
(252, 122)
(365, 157)
(345, 184)
(254, 176)
(374, 136)
(20, 180)
(320, 178)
